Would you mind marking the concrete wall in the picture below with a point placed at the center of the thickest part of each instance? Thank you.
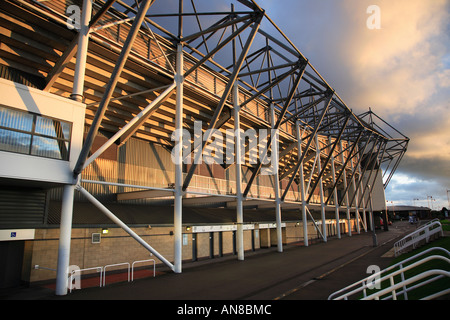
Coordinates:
(378, 195)
(23, 166)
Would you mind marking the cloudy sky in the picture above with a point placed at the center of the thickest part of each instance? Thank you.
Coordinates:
(401, 71)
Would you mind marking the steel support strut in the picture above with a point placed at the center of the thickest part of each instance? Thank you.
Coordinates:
(69, 190)
(145, 5)
(311, 138)
(336, 204)
(225, 95)
(274, 136)
(319, 182)
(329, 156)
(302, 183)
(178, 149)
(239, 200)
(120, 223)
(302, 67)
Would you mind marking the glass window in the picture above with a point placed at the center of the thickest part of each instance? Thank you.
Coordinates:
(32, 134)
(15, 119)
(52, 128)
(14, 141)
(49, 148)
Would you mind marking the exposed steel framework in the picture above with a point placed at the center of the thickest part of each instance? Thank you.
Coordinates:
(145, 68)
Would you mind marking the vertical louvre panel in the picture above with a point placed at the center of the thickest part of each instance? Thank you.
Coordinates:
(22, 208)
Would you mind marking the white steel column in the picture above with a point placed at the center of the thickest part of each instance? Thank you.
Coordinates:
(363, 202)
(64, 240)
(69, 190)
(358, 218)
(83, 40)
(275, 159)
(322, 204)
(344, 177)
(336, 202)
(302, 185)
(178, 199)
(237, 148)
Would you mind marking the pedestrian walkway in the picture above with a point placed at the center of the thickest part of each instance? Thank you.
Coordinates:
(299, 272)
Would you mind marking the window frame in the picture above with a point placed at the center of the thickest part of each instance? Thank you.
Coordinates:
(61, 141)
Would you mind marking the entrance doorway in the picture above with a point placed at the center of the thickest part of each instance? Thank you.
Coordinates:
(11, 261)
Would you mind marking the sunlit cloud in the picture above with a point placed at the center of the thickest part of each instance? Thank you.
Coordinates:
(401, 71)
(398, 68)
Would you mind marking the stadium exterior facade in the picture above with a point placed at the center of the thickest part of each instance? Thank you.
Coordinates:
(126, 114)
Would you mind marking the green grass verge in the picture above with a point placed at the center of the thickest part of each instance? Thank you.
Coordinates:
(445, 225)
(430, 288)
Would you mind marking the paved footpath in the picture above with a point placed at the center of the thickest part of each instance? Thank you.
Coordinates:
(299, 273)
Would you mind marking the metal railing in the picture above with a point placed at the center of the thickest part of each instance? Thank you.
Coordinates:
(102, 271)
(115, 265)
(141, 261)
(374, 280)
(412, 239)
(392, 289)
(38, 267)
(98, 269)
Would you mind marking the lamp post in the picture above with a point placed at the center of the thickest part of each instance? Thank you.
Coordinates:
(432, 199)
(374, 235)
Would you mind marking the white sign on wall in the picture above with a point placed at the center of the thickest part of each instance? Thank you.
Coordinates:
(16, 234)
(228, 227)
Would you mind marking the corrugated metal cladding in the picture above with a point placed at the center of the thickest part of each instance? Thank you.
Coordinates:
(21, 77)
(22, 208)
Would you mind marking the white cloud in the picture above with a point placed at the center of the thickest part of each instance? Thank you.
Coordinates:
(401, 71)
(400, 67)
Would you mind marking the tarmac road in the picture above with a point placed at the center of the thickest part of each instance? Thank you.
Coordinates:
(312, 273)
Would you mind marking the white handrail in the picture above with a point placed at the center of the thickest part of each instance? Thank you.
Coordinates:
(424, 232)
(102, 271)
(391, 276)
(37, 267)
(114, 265)
(410, 288)
(377, 295)
(98, 269)
(132, 267)
(367, 282)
